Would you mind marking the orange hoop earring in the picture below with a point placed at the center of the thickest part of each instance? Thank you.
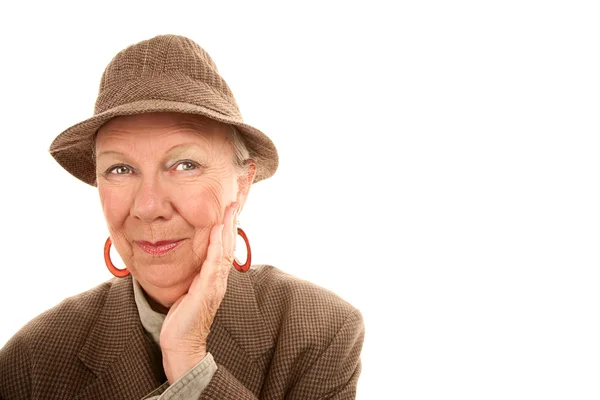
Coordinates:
(119, 273)
(246, 266)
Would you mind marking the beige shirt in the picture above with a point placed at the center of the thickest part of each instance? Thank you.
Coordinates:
(190, 385)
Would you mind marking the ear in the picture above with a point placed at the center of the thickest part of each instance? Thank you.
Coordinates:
(245, 182)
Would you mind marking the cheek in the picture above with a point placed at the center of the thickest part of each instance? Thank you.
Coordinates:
(115, 206)
(203, 205)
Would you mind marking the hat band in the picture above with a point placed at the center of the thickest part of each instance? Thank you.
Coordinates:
(181, 89)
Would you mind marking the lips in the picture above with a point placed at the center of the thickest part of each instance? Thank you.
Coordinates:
(158, 248)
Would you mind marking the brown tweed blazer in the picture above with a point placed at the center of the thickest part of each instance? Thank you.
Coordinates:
(274, 337)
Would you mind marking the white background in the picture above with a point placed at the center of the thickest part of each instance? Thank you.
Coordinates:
(439, 170)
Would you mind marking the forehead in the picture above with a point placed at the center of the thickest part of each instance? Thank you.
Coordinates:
(160, 127)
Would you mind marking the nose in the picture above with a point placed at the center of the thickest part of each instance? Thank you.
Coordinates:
(152, 201)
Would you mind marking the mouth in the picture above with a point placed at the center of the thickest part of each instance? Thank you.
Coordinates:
(158, 248)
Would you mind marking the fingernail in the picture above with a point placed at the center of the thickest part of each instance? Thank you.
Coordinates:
(221, 228)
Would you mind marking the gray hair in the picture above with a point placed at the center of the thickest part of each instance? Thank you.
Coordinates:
(241, 155)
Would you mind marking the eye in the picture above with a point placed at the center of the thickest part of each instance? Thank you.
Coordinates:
(120, 170)
(186, 166)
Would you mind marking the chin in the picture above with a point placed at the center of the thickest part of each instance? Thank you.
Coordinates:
(165, 284)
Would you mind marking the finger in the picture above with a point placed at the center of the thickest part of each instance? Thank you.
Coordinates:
(219, 255)
(210, 266)
(229, 234)
(214, 254)
(215, 270)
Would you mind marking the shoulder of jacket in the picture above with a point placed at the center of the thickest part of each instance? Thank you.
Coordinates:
(288, 301)
(77, 312)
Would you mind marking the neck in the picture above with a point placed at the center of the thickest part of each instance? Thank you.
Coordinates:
(155, 305)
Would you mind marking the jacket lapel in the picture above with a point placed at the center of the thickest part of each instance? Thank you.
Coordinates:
(239, 336)
(117, 350)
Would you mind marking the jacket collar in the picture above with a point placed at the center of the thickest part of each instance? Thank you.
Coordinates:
(240, 316)
(117, 326)
(116, 348)
(116, 344)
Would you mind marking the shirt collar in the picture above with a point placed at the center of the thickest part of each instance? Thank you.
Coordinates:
(152, 321)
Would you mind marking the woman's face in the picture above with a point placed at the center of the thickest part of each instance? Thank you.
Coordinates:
(164, 180)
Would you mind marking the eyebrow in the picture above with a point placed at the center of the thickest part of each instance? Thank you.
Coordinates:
(109, 152)
(181, 149)
(173, 152)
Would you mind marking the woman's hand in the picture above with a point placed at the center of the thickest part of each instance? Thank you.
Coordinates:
(186, 327)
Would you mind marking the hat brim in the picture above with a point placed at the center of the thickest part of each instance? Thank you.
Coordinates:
(73, 150)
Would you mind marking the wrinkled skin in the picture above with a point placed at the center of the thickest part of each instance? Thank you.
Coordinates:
(171, 177)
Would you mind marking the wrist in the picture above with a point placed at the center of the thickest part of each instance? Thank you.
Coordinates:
(177, 365)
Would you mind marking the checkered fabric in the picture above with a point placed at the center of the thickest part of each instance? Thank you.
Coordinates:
(274, 337)
(167, 73)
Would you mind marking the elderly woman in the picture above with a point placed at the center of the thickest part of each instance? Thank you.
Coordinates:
(174, 163)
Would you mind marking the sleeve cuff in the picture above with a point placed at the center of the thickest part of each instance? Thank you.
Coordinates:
(190, 385)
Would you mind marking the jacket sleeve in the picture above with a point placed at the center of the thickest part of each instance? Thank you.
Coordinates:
(334, 374)
(224, 385)
(15, 367)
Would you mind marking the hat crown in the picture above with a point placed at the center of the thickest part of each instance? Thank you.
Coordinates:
(167, 73)
(183, 68)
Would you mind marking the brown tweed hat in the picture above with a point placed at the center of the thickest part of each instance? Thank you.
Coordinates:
(167, 73)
